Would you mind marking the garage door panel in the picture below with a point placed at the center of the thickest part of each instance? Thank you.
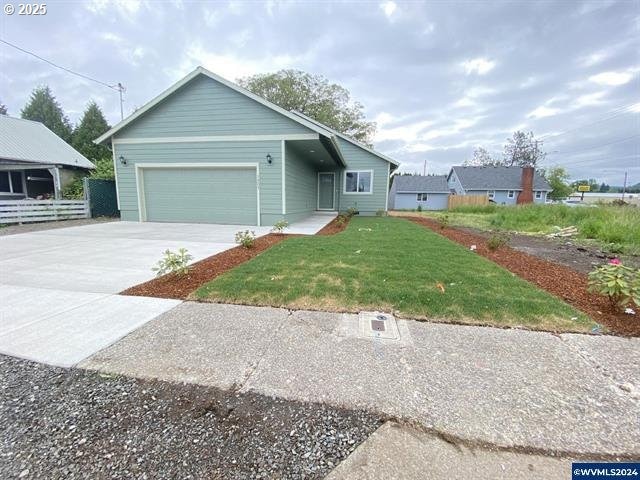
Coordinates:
(200, 195)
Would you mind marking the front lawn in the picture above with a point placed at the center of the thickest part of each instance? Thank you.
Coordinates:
(391, 264)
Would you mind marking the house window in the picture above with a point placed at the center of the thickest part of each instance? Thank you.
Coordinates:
(511, 194)
(491, 194)
(538, 194)
(358, 181)
(422, 197)
(11, 182)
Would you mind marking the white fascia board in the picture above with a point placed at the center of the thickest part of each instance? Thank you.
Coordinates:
(217, 138)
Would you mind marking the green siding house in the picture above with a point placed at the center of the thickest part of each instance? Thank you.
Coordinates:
(208, 151)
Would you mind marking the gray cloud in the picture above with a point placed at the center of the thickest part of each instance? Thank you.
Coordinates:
(440, 78)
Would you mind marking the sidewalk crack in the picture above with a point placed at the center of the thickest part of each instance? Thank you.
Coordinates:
(238, 387)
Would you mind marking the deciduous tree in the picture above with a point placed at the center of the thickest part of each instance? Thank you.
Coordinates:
(523, 150)
(316, 97)
(558, 179)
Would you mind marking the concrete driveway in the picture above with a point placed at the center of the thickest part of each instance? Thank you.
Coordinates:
(58, 301)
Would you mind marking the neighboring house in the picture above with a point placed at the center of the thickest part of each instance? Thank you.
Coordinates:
(429, 192)
(209, 151)
(503, 185)
(34, 161)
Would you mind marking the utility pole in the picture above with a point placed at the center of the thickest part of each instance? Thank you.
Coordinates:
(624, 185)
(121, 89)
(424, 170)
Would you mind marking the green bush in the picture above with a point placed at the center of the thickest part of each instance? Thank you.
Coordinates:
(246, 238)
(618, 282)
(175, 263)
(444, 220)
(103, 171)
(381, 213)
(279, 226)
(496, 241)
(341, 219)
(351, 211)
(419, 209)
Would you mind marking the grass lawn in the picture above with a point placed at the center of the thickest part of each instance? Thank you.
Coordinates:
(616, 229)
(391, 264)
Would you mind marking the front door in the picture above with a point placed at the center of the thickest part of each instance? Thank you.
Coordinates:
(326, 189)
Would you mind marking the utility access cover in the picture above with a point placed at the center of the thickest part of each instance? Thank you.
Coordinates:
(378, 325)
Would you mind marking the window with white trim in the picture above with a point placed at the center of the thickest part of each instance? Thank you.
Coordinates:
(491, 194)
(358, 181)
(511, 194)
(422, 197)
(538, 194)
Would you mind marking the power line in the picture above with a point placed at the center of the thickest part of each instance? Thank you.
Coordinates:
(118, 87)
(597, 146)
(617, 112)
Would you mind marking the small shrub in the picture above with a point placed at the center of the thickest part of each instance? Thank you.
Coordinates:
(351, 211)
(496, 241)
(444, 220)
(341, 220)
(246, 238)
(618, 282)
(614, 248)
(381, 213)
(279, 226)
(176, 263)
(618, 202)
(419, 209)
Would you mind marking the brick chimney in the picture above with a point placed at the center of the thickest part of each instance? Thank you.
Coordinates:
(526, 195)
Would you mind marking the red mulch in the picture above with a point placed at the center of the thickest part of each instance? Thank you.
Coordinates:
(334, 226)
(179, 287)
(561, 281)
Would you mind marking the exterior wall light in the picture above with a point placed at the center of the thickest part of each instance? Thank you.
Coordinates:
(123, 160)
(269, 159)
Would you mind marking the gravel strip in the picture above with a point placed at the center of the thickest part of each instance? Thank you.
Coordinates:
(59, 423)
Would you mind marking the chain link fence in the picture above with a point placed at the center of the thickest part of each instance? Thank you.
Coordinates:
(102, 197)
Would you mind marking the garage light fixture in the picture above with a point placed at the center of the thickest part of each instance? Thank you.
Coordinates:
(269, 159)
(123, 160)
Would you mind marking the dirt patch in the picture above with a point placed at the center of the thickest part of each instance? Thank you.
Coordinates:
(559, 280)
(575, 255)
(179, 287)
(334, 226)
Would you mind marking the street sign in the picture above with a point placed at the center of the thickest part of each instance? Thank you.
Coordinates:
(584, 188)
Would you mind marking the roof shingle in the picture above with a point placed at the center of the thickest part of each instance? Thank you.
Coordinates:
(496, 178)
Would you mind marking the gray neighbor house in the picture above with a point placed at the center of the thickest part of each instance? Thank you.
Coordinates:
(34, 162)
(500, 184)
(208, 151)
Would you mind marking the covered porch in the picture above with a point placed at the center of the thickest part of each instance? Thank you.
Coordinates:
(312, 174)
(31, 180)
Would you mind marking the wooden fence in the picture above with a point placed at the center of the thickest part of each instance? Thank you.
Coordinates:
(459, 200)
(24, 211)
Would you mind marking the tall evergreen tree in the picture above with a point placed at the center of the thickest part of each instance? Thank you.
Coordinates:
(91, 126)
(43, 107)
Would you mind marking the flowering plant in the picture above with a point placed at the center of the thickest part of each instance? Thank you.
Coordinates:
(618, 282)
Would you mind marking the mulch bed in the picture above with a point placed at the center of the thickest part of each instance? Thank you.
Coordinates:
(334, 226)
(559, 280)
(179, 287)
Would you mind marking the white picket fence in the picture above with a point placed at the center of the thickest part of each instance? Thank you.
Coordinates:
(24, 211)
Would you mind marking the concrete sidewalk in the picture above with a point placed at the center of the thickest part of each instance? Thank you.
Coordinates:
(396, 452)
(567, 394)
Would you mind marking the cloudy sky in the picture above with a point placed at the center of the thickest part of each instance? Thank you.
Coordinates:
(439, 77)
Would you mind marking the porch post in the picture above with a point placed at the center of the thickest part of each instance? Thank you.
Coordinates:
(57, 192)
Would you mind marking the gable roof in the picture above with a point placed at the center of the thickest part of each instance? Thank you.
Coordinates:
(32, 142)
(203, 71)
(295, 116)
(496, 178)
(421, 184)
(347, 138)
